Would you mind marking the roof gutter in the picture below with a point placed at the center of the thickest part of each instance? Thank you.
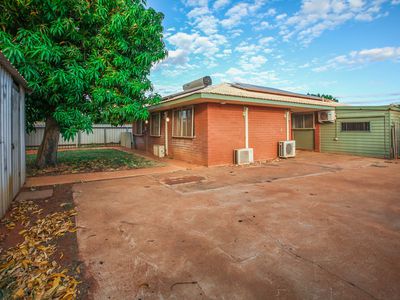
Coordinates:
(236, 100)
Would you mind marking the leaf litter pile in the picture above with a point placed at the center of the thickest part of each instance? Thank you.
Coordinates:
(30, 269)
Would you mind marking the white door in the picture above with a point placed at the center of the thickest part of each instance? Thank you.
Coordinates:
(15, 141)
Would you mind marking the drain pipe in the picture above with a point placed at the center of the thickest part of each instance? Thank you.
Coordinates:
(287, 116)
(246, 125)
(166, 132)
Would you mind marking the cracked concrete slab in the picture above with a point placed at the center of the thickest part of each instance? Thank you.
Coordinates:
(34, 195)
(318, 226)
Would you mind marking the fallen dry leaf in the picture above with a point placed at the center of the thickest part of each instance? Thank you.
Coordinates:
(27, 270)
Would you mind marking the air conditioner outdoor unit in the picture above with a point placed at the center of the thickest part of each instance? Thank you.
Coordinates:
(287, 149)
(159, 150)
(244, 156)
(326, 116)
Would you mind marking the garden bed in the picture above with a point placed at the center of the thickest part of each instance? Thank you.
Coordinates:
(91, 160)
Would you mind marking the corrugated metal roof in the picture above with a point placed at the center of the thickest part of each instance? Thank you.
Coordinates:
(6, 64)
(227, 89)
(269, 90)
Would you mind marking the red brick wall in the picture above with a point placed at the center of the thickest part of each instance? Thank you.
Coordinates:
(187, 149)
(219, 129)
(226, 130)
(193, 149)
(267, 126)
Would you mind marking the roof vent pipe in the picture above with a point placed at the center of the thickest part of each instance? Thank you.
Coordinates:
(199, 83)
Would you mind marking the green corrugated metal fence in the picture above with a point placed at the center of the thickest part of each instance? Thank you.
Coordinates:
(374, 143)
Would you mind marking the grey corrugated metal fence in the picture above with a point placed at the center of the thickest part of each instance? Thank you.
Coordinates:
(12, 131)
(102, 135)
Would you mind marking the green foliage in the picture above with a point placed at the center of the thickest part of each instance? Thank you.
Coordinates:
(326, 96)
(86, 61)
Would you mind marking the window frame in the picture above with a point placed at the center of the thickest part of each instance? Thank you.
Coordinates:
(355, 131)
(159, 124)
(136, 127)
(303, 121)
(192, 136)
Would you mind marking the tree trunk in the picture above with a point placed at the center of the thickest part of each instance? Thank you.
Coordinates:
(47, 154)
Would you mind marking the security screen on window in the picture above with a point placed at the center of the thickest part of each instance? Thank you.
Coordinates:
(183, 122)
(356, 126)
(304, 121)
(139, 127)
(155, 124)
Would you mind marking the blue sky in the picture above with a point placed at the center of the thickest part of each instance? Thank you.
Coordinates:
(347, 48)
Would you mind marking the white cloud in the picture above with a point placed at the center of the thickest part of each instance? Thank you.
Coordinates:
(204, 20)
(187, 49)
(265, 40)
(280, 17)
(317, 16)
(271, 12)
(248, 49)
(264, 78)
(360, 58)
(235, 33)
(239, 11)
(258, 60)
(221, 3)
(208, 24)
(198, 11)
(196, 2)
(356, 3)
(263, 25)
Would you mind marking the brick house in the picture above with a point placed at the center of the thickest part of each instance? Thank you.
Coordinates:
(205, 124)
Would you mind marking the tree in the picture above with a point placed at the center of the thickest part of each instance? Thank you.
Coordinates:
(326, 96)
(85, 60)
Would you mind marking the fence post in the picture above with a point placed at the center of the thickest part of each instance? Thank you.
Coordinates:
(105, 136)
(78, 140)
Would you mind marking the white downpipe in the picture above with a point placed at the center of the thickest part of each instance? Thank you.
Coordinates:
(287, 116)
(246, 126)
(166, 120)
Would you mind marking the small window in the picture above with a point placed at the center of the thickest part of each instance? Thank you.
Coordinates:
(155, 124)
(183, 125)
(356, 126)
(138, 130)
(303, 121)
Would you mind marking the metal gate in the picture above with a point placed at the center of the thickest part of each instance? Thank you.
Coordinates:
(395, 140)
(303, 130)
(15, 141)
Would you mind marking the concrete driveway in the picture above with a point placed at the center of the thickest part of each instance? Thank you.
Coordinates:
(315, 227)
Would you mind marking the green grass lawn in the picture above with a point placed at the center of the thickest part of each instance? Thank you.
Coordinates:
(96, 160)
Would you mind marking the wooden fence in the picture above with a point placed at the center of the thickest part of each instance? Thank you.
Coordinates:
(102, 135)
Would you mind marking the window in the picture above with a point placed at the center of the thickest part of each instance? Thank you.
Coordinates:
(356, 126)
(138, 130)
(183, 123)
(303, 121)
(155, 124)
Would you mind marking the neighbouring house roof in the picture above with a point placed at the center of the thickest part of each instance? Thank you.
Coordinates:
(6, 64)
(243, 93)
(394, 107)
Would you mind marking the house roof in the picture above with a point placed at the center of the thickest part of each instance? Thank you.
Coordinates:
(6, 64)
(243, 93)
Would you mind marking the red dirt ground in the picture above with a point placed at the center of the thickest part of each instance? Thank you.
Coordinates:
(66, 245)
(316, 227)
